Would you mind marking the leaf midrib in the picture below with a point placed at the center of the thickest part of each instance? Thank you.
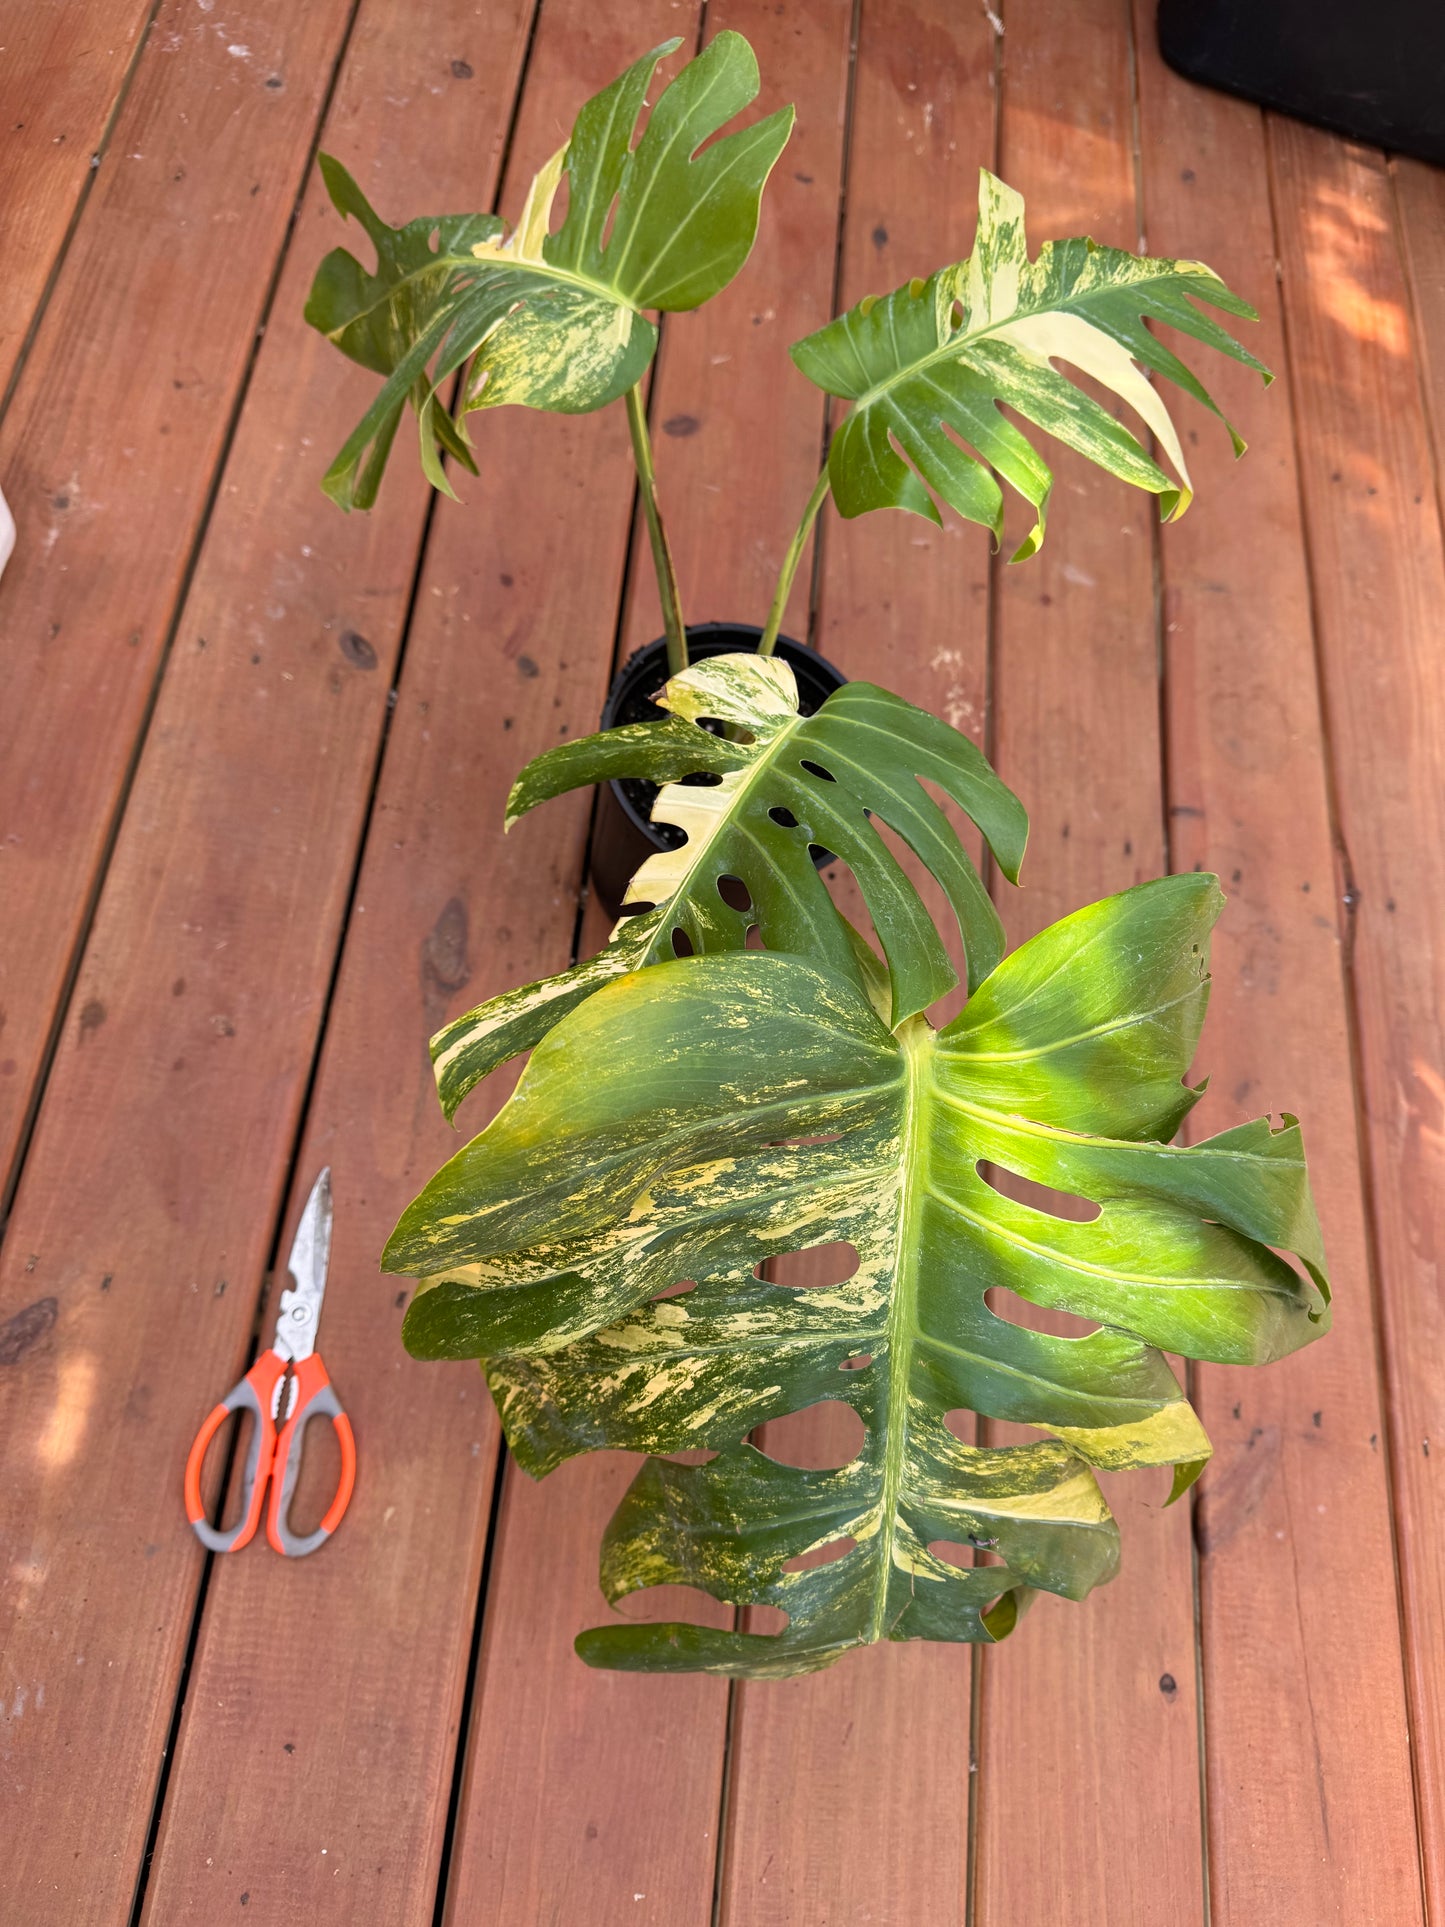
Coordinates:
(916, 1043)
(390, 290)
(479, 264)
(959, 342)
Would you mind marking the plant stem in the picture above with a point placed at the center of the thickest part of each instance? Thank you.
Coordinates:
(672, 622)
(791, 560)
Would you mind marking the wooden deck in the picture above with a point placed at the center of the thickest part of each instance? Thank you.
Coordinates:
(252, 762)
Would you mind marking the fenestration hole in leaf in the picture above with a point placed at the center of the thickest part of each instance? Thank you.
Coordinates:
(822, 1555)
(768, 1620)
(681, 944)
(561, 201)
(715, 726)
(813, 1267)
(857, 1362)
(1065, 1205)
(604, 240)
(820, 1438)
(734, 893)
(950, 1553)
(783, 818)
(687, 1603)
(1013, 1310)
(674, 1291)
(1000, 1615)
(816, 769)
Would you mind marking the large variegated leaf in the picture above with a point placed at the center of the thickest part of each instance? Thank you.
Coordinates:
(927, 366)
(693, 1120)
(786, 784)
(554, 320)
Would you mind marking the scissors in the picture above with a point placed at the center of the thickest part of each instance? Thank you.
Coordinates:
(276, 1456)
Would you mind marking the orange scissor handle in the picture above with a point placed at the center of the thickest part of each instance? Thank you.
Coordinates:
(256, 1394)
(315, 1398)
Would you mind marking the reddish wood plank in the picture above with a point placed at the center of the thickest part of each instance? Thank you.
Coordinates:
(143, 1222)
(587, 1796)
(378, 1672)
(62, 66)
(1296, 1829)
(110, 446)
(1420, 199)
(1088, 1767)
(586, 1791)
(877, 1747)
(1373, 520)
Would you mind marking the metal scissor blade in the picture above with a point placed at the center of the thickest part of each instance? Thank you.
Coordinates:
(310, 1254)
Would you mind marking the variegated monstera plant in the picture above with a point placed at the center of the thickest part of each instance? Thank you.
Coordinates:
(739, 1074)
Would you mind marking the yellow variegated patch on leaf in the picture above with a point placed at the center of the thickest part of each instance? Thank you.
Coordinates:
(690, 1121)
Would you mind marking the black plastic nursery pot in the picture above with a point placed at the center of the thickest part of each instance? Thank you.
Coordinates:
(623, 835)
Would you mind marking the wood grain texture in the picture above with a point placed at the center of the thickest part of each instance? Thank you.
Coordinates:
(62, 67)
(1372, 516)
(1088, 1760)
(877, 1747)
(1296, 1830)
(587, 1795)
(155, 1177)
(338, 1680)
(1420, 214)
(110, 447)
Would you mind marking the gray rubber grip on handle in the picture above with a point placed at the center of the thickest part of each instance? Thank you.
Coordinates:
(241, 1397)
(324, 1405)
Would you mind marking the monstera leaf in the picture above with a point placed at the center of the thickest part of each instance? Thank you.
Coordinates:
(377, 319)
(927, 366)
(690, 1121)
(553, 320)
(786, 784)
